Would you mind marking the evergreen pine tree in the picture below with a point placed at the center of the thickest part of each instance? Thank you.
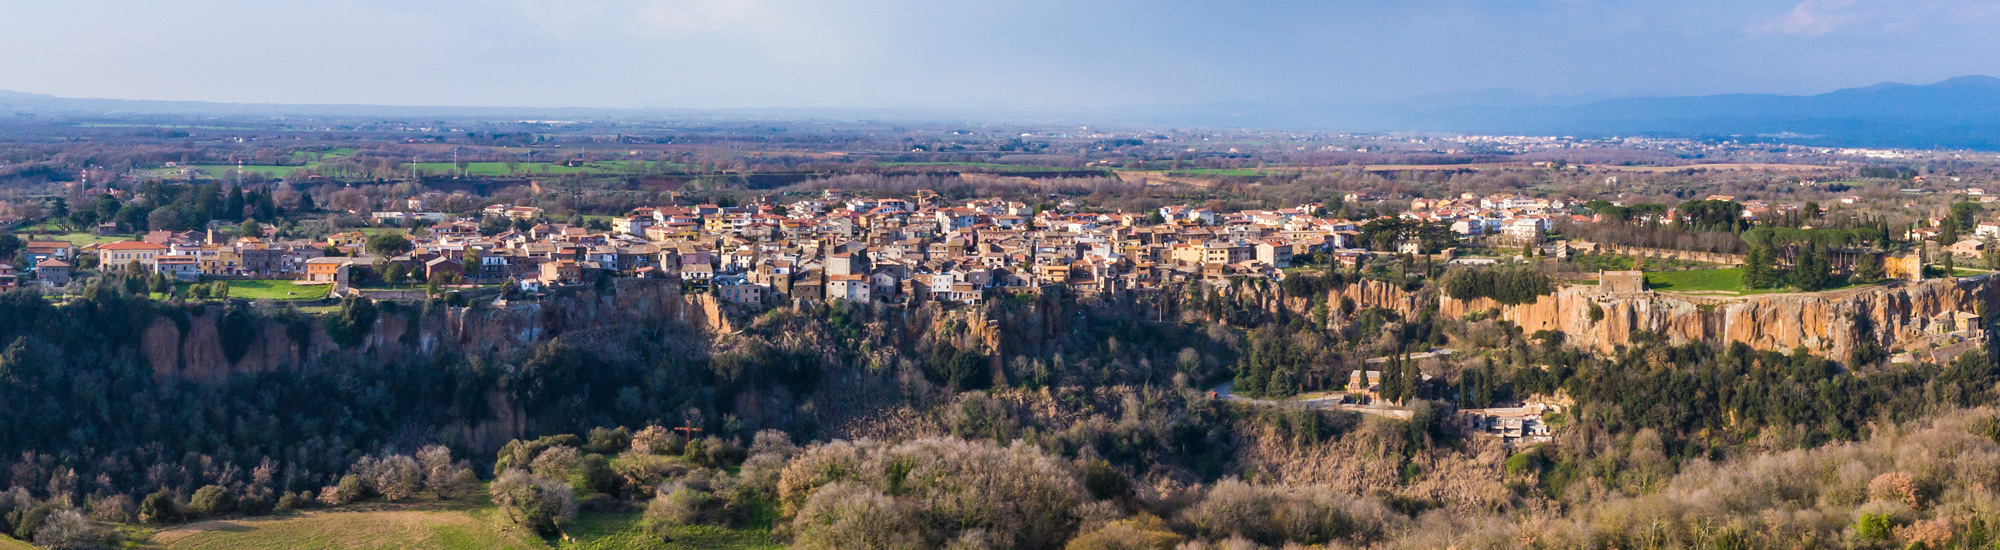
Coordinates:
(1868, 268)
(1390, 386)
(1413, 379)
(232, 207)
(1813, 272)
(1758, 271)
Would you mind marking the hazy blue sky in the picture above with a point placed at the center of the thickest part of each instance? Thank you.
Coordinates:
(807, 53)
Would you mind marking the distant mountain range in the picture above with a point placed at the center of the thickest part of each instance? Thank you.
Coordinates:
(1961, 112)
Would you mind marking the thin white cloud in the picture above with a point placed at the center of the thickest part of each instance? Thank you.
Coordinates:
(1810, 18)
(796, 32)
(563, 19)
(1894, 18)
(781, 30)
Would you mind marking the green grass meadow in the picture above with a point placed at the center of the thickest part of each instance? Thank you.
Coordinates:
(1728, 279)
(472, 524)
(280, 290)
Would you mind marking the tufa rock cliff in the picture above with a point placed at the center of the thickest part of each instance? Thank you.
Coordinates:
(190, 349)
(1830, 324)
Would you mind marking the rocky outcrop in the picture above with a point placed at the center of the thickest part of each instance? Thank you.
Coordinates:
(1831, 324)
(189, 349)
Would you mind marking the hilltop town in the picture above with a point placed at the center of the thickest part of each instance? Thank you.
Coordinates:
(864, 247)
(672, 328)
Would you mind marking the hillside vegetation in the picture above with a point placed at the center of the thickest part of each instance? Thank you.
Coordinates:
(1043, 421)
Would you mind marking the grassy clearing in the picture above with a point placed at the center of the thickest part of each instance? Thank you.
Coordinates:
(1700, 280)
(466, 525)
(1964, 271)
(456, 526)
(620, 531)
(1607, 262)
(8, 543)
(1729, 280)
(82, 239)
(277, 290)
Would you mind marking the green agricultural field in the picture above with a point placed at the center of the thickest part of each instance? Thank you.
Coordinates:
(472, 168)
(1220, 172)
(467, 525)
(531, 168)
(992, 166)
(342, 152)
(276, 290)
(223, 171)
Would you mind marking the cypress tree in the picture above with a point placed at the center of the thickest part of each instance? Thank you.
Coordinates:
(1758, 271)
(1813, 272)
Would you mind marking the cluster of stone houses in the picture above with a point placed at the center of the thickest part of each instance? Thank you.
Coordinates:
(840, 248)
(185, 256)
(1514, 218)
(831, 247)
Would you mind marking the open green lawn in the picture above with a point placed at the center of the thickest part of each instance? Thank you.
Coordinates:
(1727, 279)
(83, 239)
(468, 524)
(277, 290)
(1696, 280)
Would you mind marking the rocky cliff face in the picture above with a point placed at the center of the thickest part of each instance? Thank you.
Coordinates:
(1830, 324)
(191, 349)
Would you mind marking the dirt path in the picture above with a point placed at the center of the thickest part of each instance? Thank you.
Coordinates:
(1330, 401)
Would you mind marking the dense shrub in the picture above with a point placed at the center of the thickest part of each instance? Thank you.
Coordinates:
(1506, 286)
(1018, 494)
(542, 505)
(1275, 515)
(212, 500)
